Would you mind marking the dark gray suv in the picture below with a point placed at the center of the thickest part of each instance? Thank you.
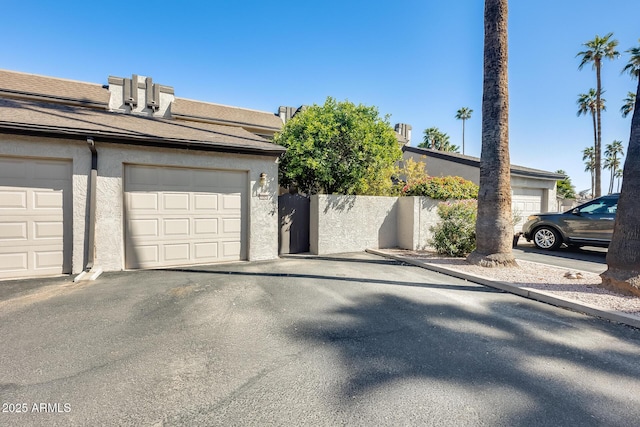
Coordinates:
(590, 224)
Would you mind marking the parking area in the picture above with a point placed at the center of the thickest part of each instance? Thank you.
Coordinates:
(353, 339)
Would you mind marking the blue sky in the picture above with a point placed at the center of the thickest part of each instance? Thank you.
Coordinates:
(417, 60)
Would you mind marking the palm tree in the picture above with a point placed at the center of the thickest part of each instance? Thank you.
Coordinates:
(597, 49)
(436, 140)
(612, 161)
(633, 66)
(588, 154)
(494, 224)
(623, 257)
(618, 177)
(463, 114)
(587, 104)
(629, 104)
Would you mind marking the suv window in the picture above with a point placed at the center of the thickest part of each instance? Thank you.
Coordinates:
(601, 206)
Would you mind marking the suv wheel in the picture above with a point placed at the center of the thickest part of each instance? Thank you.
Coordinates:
(547, 238)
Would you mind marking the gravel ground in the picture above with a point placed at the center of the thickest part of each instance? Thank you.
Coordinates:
(542, 277)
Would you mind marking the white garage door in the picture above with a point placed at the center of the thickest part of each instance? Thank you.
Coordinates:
(526, 201)
(35, 217)
(178, 216)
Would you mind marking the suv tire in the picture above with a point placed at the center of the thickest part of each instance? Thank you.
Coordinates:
(547, 238)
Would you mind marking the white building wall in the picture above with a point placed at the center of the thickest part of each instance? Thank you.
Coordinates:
(352, 223)
(262, 221)
(355, 223)
(80, 156)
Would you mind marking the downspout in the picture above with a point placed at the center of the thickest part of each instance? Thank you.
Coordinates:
(92, 213)
(92, 203)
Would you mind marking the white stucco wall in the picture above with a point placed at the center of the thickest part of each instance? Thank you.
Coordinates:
(80, 156)
(355, 223)
(352, 223)
(262, 221)
(416, 216)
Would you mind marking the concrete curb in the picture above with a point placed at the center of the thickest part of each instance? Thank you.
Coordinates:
(540, 296)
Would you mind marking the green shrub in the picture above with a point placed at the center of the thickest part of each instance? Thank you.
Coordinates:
(456, 234)
(442, 188)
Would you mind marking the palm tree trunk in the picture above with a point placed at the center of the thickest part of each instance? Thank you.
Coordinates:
(599, 130)
(494, 226)
(623, 257)
(595, 144)
(463, 120)
(613, 176)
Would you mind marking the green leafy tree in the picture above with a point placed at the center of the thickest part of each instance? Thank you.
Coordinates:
(494, 226)
(338, 148)
(588, 155)
(598, 49)
(436, 140)
(463, 114)
(612, 161)
(629, 104)
(565, 187)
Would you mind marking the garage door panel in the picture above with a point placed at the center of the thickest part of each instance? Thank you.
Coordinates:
(232, 202)
(143, 228)
(230, 249)
(13, 230)
(231, 225)
(47, 199)
(176, 201)
(194, 205)
(35, 217)
(176, 227)
(14, 262)
(177, 252)
(48, 230)
(48, 259)
(204, 226)
(205, 251)
(205, 202)
(13, 199)
(142, 201)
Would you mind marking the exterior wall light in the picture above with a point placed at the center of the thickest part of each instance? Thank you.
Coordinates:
(263, 179)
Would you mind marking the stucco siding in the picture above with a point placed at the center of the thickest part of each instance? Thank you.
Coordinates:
(261, 221)
(80, 156)
(352, 223)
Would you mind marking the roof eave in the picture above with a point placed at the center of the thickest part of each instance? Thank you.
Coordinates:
(142, 140)
(476, 163)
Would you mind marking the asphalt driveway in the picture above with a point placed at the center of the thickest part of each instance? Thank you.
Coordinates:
(587, 258)
(345, 340)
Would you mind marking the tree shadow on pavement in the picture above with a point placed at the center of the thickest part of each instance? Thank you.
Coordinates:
(523, 357)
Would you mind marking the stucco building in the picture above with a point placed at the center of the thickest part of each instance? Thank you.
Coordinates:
(532, 190)
(127, 175)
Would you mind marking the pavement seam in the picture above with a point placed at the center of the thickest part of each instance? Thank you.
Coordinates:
(540, 296)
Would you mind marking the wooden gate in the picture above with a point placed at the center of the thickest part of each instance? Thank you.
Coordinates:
(293, 217)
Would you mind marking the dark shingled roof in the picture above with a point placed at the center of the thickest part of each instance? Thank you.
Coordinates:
(32, 117)
(222, 114)
(475, 161)
(31, 86)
